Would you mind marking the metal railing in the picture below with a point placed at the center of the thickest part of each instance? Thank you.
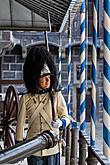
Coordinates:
(88, 154)
(94, 154)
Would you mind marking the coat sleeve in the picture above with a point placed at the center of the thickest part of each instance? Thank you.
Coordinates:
(21, 117)
(62, 110)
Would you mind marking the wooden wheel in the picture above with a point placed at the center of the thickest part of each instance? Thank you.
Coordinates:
(9, 116)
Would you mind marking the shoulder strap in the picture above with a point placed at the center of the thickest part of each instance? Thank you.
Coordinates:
(46, 118)
(39, 108)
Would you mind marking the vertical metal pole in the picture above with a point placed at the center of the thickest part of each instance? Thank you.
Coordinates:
(83, 65)
(50, 28)
(106, 94)
(82, 150)
(69, 93)
(59, 82)
(87, 41)
(68, 148)
(94, 68)
(64, 147)
(69, 64)
(82, 143)
(46, 40)
(74, 145)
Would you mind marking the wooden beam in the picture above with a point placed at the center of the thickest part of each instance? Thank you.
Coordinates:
(39, 5)
(2, 82)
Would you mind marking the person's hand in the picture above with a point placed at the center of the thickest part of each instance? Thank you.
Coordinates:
(57, 123)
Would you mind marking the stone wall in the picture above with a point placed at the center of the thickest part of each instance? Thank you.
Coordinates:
(12, 66)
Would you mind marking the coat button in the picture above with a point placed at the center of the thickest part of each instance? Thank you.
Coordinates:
(34, 101)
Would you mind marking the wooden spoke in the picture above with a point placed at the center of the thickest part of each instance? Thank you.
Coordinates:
(8, 140)
(9, 115)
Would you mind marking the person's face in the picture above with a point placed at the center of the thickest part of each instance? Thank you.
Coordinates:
(44, 82)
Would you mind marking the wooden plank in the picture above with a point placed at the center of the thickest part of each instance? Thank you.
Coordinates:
(2, 82)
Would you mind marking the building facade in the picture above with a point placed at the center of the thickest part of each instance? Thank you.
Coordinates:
(11, 63)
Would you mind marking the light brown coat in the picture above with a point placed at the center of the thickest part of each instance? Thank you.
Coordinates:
(42, 121)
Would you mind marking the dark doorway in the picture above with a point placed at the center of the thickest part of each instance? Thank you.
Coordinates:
(0, 72)
(88, 104)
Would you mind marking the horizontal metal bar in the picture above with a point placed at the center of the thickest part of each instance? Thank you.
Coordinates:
(97, 153)
(24, 149)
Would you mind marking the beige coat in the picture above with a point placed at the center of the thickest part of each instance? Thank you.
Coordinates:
(42, 119)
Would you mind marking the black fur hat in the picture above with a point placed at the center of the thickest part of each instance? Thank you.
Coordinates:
(35, 60)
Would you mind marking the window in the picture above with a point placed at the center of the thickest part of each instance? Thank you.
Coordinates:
(90, 18)
(76, 50)
(78, 68)
(77, 72)
(89, 73)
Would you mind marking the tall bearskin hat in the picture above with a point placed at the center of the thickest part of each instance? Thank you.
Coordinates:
(37, 63)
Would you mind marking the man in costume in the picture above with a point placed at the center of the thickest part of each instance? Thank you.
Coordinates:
(43, 104)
